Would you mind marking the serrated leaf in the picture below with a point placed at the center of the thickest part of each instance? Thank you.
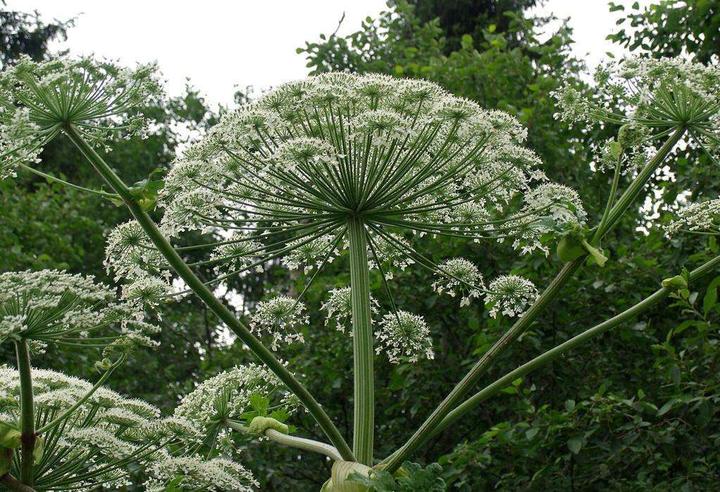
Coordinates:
(260, 404)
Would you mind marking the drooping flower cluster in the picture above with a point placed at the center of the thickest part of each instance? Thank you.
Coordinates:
(459, 277)
(93, 445)
(510, 295)
(37, 100)
(338, 309)
(651, 98)
(50, 306)
(281, 318)
(702, 217)
(404, 337)
(227, 396)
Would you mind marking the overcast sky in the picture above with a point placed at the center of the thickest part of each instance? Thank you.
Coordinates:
(221, 45)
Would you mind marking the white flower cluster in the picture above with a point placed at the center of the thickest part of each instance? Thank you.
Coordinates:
(195, 474)
(227, 396)
(701, 217)
(51, 306)
(388, 254)
(640, 84)
(282, 318)
(130, 254)
(309, 255)
(510, 295)
(238, 253)
(98, 98)
(338, 309)
(20, 140)
(404, 337)
(649, 97)
(294, 166)
(97, 442)
(459, 277)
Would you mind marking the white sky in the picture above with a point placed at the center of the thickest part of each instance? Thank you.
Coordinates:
(223, 45)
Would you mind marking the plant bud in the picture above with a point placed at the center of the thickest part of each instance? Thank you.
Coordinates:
(676, 282)
(259, 425)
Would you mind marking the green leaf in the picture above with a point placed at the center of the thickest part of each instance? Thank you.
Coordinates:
(531, 433)
(260, 404)
(575, 444)
(711, 295)
(280, 415)
(665, 408)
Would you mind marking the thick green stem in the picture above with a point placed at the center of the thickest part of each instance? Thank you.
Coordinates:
(202, 291)
(455, 397)
(364, 418)
(565, 347)
(27, 413)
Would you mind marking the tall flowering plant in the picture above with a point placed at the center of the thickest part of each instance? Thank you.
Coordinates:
(355, 170)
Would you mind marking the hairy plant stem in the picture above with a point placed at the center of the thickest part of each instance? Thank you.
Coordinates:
(201, 290)
(454, 398)
(364, 411)
(552, 354)
(27, 413)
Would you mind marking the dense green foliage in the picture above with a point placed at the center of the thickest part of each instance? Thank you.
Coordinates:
(634, 410)
(671, 28)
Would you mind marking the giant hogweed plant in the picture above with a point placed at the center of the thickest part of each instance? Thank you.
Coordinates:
(62, 433)
(362, 170)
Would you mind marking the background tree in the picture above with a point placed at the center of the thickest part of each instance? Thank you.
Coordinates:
(671, 28)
